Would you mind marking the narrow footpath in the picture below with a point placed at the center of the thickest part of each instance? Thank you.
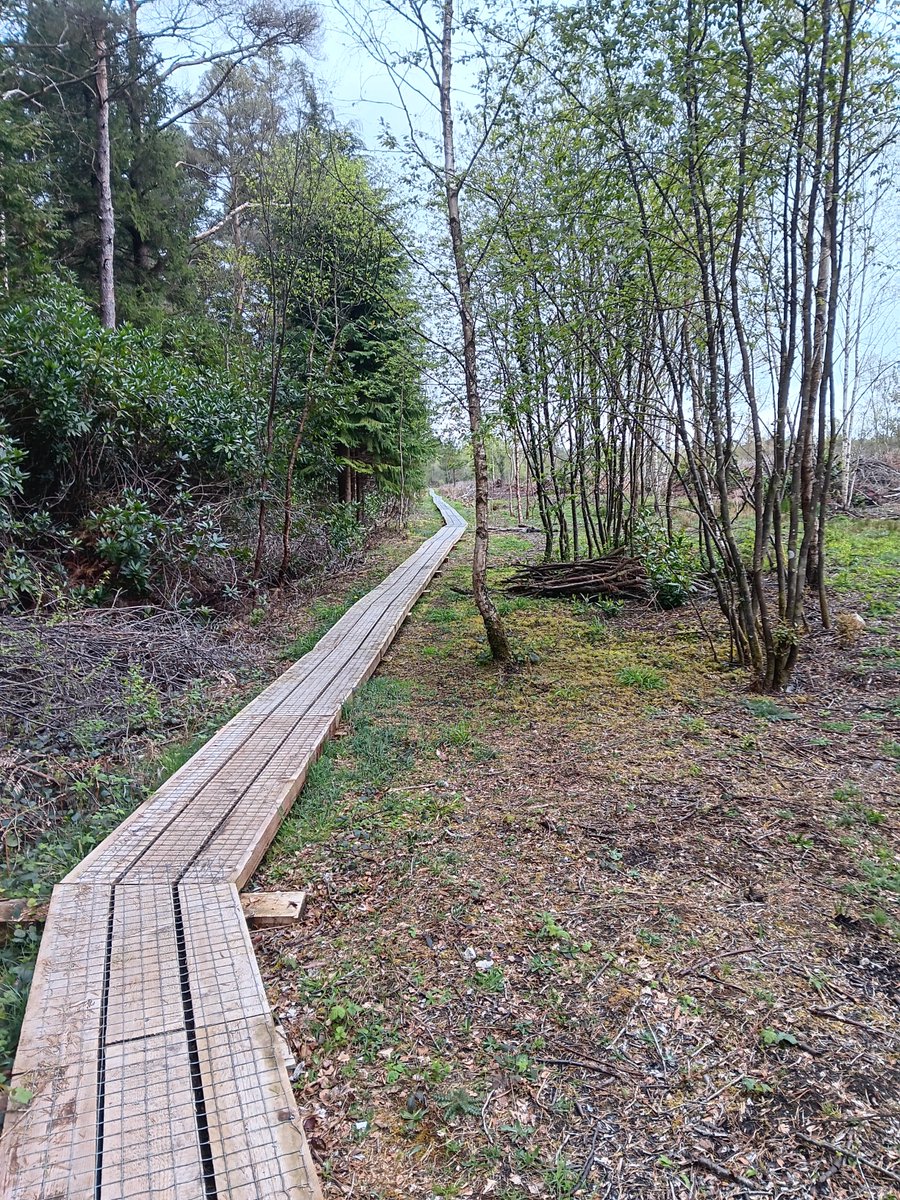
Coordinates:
(148, 1047)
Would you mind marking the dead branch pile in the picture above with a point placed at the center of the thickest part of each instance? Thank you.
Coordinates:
(615, 576)
(876, 482)
(58, 671)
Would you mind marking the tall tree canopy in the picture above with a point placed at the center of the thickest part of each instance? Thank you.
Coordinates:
(251, 358)
(664, 212)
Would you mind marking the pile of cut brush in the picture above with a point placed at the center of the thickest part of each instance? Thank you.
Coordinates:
(101, 665)
(876, 483)
(614, 576)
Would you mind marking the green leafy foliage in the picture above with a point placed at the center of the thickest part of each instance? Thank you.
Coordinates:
(670, 562)
(28, 219)
(777, 1038)
(91, 407)
(140, 545)
(86, 401)
(132, 457)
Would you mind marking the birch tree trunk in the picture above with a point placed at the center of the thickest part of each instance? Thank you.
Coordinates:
(493, 625)
(103, 169)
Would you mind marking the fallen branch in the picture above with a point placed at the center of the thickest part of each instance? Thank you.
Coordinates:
(860, 1158)
(833, 1016)
(721, 1172)
(598, 1068)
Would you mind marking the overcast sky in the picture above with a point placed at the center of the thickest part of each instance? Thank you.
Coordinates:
(358, 88)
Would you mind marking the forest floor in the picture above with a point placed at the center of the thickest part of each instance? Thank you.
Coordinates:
(610, 925)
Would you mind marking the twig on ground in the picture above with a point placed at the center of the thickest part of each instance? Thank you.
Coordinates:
(589, 1160)
(735, 987)
(845, 1153)
(599, 1068)
(833, 1016)
(484, 1107)
(722, 1172)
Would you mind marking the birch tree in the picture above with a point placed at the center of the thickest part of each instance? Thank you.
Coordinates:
(423, 74)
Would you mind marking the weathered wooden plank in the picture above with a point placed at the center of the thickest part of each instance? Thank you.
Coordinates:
(113, 856)
(148, 1044)
(144, 993)
(48, 1148)
(225, 983)
(255, 1132)
(151, 1142)
(226, 769)
(62, 1017)
(273, 910)
(242, 839)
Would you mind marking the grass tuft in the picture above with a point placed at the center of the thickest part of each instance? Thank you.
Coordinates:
(643, 678)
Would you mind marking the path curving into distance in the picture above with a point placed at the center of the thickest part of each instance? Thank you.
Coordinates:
(148, 1044)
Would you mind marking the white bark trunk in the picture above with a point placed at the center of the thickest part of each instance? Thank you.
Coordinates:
(103, 168)
(493, 625)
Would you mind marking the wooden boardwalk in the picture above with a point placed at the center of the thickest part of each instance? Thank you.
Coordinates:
(148, 1045)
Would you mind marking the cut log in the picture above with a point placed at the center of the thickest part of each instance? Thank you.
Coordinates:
(270, 910)
(263, 910)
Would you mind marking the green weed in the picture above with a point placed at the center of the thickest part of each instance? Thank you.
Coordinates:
(846, 791)
(17, 959)
(694, 724)
(141, 698)
(512, 604)
(643, 678)
(489, 981)
(459, 734)
(777, 1038)
(561, 1180)
(459, 1103)
(768, 710)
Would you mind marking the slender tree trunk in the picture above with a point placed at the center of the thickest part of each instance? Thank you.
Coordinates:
(345, 490)
(518, 485)
(3, 252)
(289, 495)
(238, 286)
(103, 169)
(493, 625)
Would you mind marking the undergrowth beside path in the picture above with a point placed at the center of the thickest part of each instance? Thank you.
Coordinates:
(611, 925)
